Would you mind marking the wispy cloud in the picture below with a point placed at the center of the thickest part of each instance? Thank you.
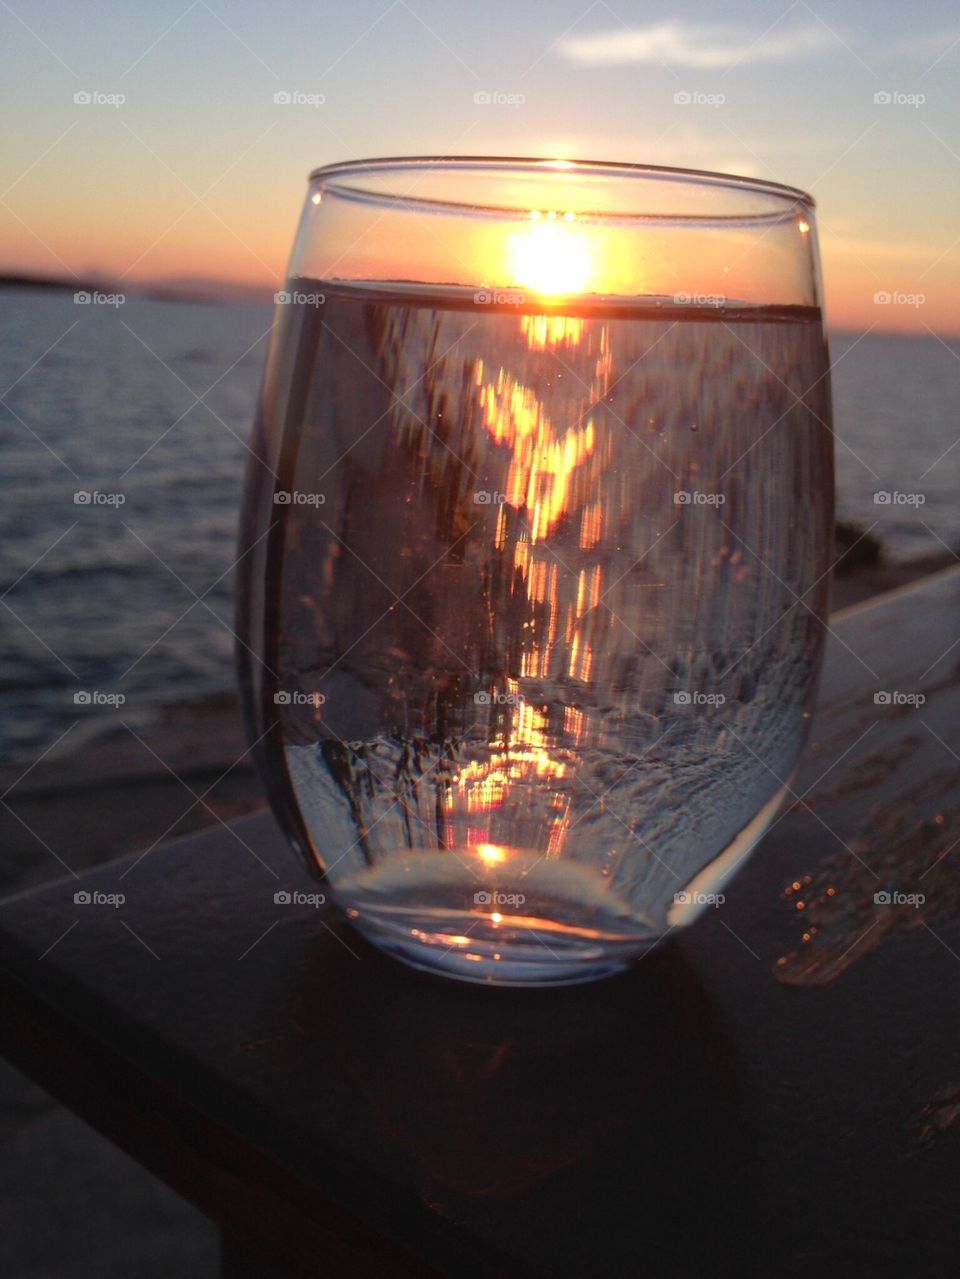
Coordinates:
(684, 44)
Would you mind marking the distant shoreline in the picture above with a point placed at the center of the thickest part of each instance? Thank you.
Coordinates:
(212, 292)
(224, 292)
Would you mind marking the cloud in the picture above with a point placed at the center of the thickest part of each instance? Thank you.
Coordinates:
(705, 48)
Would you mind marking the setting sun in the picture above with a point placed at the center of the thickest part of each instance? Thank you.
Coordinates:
(552, 256)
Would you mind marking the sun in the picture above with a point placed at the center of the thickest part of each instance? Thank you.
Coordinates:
(551, 255)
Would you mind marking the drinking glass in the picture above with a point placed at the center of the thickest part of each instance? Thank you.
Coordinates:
(535, 550)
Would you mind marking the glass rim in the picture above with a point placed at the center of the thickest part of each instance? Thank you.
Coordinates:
(611, 169)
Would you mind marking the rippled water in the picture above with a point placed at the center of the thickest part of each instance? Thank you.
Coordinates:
(529, 627)
(105, 594)
(101, 604)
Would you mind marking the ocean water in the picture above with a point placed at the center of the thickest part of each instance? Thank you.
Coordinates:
(101, 598)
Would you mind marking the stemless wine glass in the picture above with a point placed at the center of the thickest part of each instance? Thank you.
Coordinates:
(535, 550)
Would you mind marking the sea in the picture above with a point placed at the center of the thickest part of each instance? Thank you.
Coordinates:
(125, 432)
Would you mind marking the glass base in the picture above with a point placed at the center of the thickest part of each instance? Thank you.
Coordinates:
(523, 952)
(525, 920)
(531, 921)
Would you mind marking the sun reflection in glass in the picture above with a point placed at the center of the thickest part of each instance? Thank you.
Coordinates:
(552, 256)
(491, 854)
(553, 455)
(548, 332)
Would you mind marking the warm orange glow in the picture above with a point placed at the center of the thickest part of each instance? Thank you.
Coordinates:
(544, 332)
(591, 526)
(486, 785)
(491, 854)
(574, 723)
(521, 758)
(551, 256)
(544, 459)
(550, 471)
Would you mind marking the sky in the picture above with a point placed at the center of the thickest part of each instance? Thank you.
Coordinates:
(177, 161)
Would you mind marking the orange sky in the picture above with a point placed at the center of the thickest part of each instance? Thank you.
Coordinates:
(199, 171)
